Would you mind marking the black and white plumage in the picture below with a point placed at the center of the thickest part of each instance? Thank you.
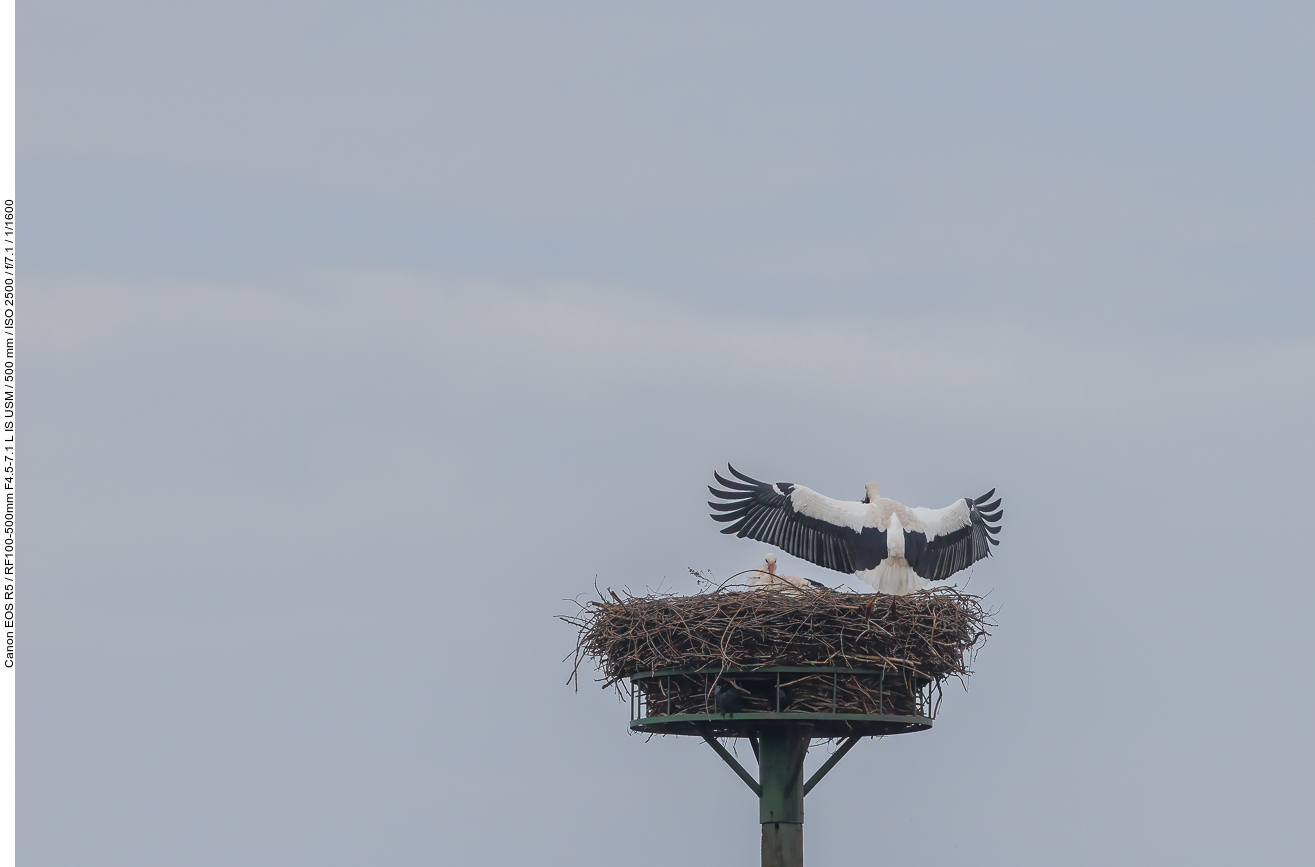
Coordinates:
(894, 548)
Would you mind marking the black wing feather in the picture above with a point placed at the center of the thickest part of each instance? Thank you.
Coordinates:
(764, 512)
(963, 547)
(735, 486)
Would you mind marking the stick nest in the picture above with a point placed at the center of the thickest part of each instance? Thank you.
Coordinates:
(915, 642)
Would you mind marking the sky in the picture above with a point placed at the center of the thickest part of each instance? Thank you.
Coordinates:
(360, 340)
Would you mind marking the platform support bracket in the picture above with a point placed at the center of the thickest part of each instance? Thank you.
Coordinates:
(830, 763)
(730, 760)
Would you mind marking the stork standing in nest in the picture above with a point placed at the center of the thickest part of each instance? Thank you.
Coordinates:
(896, 549)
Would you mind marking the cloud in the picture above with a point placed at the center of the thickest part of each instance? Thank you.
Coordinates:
(565, 336)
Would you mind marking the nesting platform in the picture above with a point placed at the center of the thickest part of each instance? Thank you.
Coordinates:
(834, 655)
(781, 668)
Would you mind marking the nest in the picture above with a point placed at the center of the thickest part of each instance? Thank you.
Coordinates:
(903, 646)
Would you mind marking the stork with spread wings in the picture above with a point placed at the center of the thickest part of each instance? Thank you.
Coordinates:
(894, 548)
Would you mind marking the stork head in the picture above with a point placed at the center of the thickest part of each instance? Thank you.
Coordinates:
(770, 562)
(873, 492)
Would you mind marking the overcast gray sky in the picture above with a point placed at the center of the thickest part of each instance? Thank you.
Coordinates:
(359, 338)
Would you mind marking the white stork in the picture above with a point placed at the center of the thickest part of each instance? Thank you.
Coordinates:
(896, 549)
(767, 576)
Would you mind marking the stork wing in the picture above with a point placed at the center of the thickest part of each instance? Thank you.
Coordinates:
(799, 521)
(957, 536)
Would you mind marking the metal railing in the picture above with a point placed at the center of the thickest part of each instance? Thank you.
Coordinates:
(669, 693)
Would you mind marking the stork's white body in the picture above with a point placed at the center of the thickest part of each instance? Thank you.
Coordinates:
(767, 576)
(894, 575)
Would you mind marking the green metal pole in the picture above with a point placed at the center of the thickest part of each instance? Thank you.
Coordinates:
(781, 804)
